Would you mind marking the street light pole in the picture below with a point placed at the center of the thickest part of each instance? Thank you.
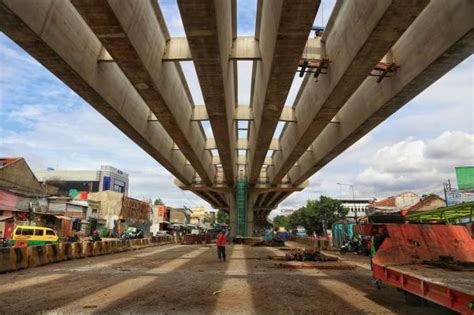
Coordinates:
(353, 198)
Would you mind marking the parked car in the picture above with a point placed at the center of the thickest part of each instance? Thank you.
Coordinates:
(162, 233)
(33, 235)
(301, 231)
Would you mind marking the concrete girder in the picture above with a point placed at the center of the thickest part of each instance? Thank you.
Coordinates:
(284, 29)
(208, 198)
(241, 112)
(208, 27)
(241, 160)
(55, 35)
(243, 48)
(274, 198)
(364, 31)
(420, 66)
(131, 34)
(242, 144)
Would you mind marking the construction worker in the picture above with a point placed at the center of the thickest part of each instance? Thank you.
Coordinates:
(220, 243)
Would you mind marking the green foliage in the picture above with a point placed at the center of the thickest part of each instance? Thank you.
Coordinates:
(158, 202)
(315, 212)
(281, 220)
(222, 217)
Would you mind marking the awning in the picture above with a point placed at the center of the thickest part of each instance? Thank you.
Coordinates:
(6, 218)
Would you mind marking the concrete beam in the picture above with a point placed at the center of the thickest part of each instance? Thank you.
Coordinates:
(288, 114)
(210, 199)
(242, 144)
(241, 160)
(177, 49)
(54, 34)
(200, 113)
(124, 30)
(419, 67)
(284, 29)
(362, 34)
(208, 27)
(243, 48)
(242, 112)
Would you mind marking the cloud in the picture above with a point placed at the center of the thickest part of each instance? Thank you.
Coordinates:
(411, 164)
(418, 165)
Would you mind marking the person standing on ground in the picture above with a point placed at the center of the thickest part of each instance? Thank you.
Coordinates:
(221, 241)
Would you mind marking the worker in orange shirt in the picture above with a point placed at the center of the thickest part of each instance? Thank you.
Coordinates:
(221, 241)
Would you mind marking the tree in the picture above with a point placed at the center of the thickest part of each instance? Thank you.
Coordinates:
(158, 202)
(222, 217)
(281, 220)
(317, 213)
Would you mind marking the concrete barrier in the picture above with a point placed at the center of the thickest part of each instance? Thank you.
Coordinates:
(87, 249)
(97, 248)
(106, 247)
(54, 253)
(113, 246)
(13, 258)
(37, 256)
(66, 250)
(5, 260)
(121, 245)
(77, 250)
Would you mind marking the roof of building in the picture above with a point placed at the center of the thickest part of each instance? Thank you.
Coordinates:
(4, 161)
(424, 202)
(16, 176)
(6, 218)
(387, 202)
(80, 203)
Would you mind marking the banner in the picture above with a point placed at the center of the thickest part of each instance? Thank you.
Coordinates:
(455, 196)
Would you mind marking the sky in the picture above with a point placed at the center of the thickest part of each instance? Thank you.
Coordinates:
(416, 149)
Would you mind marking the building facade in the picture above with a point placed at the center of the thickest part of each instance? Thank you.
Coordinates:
(21, 194)
(357, 207)
(107, 178)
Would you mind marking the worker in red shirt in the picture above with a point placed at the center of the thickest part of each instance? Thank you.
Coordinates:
(221, 241)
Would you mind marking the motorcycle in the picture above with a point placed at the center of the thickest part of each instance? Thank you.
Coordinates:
(351, 246)
(95, 237)
(4, 243)
(72, 239)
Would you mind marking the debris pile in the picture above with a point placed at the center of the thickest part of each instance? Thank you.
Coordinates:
(308, 254)
(331, 266)
(274, 242)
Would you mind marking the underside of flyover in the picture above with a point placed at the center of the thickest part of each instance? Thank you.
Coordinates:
(372, 58)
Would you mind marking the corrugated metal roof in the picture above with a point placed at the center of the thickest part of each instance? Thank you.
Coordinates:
(6, 218)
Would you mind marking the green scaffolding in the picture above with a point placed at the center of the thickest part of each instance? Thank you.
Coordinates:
(461, 213)
(241, 206)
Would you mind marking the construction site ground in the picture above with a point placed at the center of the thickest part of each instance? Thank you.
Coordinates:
(188, 279)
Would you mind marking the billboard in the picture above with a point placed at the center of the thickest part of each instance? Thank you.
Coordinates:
(287, 212)
(465, 177)
(455, 196)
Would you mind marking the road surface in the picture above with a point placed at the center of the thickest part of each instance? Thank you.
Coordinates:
(188, 279)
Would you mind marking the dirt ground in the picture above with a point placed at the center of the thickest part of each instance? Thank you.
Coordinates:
(180, 279)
